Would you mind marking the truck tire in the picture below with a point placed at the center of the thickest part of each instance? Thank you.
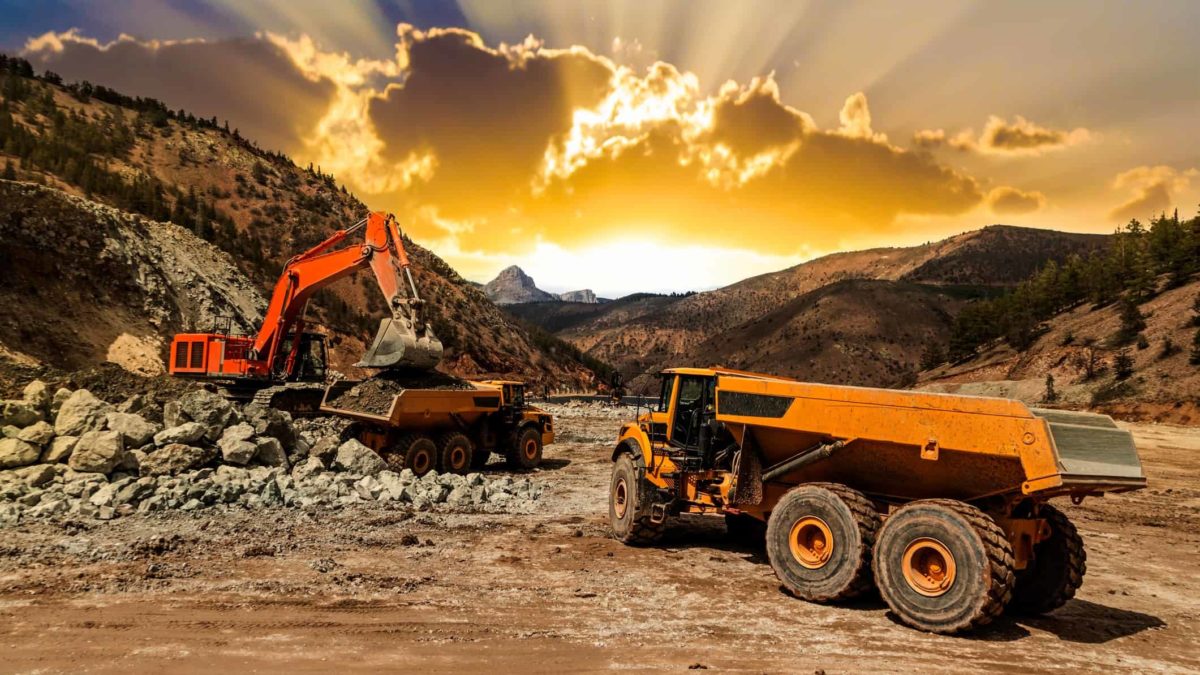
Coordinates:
(455, 453)
(943, 566)
(745, 530)
(1055, 572)
(628, 515)
(525, 451)
(819, 541)
(420, 453)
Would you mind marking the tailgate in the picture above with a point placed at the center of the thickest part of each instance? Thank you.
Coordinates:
(1092, 451)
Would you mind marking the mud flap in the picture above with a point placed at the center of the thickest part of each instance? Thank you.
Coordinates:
(397, 345)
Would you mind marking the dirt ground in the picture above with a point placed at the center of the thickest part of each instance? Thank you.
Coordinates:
(372, 587)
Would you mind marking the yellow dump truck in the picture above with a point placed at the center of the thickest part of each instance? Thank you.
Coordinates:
(449, 430)
(940, 501)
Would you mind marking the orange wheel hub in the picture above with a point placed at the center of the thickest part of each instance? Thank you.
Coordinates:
(811, 542)
(620, 498)
(420, 462)
(929, 567)
(530, 449)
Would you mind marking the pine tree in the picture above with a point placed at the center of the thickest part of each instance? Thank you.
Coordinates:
(11, 174)
(1132, 321)
(1051, 395)
(1123, 366)
(932, 357)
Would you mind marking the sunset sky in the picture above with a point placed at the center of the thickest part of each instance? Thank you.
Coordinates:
(628, 146)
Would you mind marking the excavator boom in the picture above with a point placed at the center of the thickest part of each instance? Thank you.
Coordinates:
(275, 353)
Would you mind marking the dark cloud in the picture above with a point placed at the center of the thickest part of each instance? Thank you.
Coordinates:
(1010, 200)
(487, 116)
(251, 82)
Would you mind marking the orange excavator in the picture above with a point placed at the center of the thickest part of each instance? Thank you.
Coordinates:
(283, 365)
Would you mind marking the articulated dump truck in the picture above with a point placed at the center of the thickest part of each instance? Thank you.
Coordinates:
(940, 501)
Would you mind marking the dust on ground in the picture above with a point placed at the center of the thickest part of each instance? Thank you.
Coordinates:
(378, 587)
(375, 394)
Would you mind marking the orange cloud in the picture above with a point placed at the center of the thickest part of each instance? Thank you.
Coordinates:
(1153, 187)
(1001, 137)
(1010, 200)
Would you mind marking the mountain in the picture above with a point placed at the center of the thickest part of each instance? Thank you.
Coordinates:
(643, 333)
(139, 157)
(585, 296)
(513, 286)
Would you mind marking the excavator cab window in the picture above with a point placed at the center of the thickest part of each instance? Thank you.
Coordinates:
(312, 357)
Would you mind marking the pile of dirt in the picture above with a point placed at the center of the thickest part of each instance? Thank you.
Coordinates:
(375, 395)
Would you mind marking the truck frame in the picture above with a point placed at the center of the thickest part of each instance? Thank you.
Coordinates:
(940, 501)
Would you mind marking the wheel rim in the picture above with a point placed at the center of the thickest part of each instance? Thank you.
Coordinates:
(929, 567)
(811, 542)
(531, 448)
(458, 458)
(421, 462)
(620, 498)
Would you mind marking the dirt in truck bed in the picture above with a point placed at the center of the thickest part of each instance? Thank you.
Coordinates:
(375, 394)
(376, 587)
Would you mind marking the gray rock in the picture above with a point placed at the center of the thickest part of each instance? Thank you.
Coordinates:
(37, 475)
(175, 458)
(10, 431)
(60, 396)
(210, 409)
(132, 493)
(51, 507)
(186, 433)
(271, 495)
(308, 468)
(172, 414)
(104, 495)
(80, 413)
(19, 413)
(270, 452)
(15, 452)
(235, 444)
(131, 462)
(192, 505)
(271, 422)
(38, 395)
(39, 434)
(354, 457)
(60, 449)
(326, 449)
(134, 404)
(133, 428)
(10, 514)
(97, 451)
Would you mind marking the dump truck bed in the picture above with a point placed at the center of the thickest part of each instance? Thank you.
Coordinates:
(917, 444)
(415, 408)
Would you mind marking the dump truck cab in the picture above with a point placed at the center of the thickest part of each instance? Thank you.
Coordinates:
(835, 466)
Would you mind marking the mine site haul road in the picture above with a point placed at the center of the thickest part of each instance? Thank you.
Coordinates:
(940, 501)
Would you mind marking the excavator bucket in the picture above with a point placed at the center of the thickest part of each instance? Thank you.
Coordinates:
(397, 345)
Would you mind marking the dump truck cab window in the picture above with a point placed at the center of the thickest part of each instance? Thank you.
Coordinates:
(664, 393)
(695, 395)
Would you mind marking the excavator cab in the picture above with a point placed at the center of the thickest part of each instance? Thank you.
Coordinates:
(310, 360)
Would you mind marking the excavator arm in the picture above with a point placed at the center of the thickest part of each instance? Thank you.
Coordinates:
(405, 339)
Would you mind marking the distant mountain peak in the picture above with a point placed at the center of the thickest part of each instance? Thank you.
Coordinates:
(513, 286)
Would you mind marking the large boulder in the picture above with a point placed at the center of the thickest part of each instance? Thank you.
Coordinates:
(175, 458)
(269, 451)
(354, 457)
(15, 452)
(271, 422)
(186, 433)
(80, 413)
(19, 413)
(133, 428)
(38, 395)
(60, 396)
(210, 409)
(60, 449)
(236, 444)
(97, 452)
(308, 468)
(38, 434)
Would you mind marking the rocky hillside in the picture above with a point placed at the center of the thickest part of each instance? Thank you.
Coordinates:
(643, 333)
(1077, 350)
(138, 156)
(82, 283)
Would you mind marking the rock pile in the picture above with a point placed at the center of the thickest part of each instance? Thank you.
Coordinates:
(70, 453)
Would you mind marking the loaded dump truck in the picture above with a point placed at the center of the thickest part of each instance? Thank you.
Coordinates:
(430, 421)
(940, 501)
